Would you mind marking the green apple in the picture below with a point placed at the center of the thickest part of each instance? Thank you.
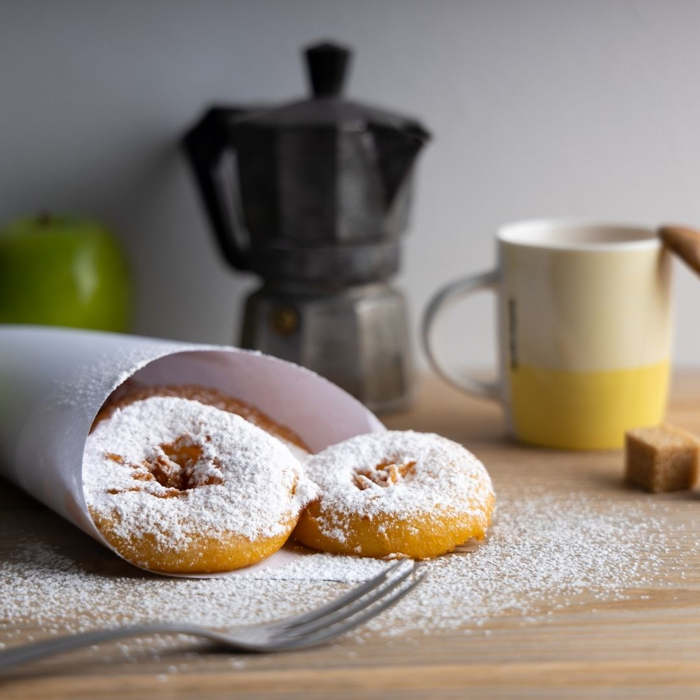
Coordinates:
(61, 271)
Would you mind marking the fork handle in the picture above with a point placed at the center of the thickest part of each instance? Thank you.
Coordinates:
(58, 645)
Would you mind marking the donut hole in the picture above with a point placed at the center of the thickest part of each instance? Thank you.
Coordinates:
(384, 474)
(181, 465)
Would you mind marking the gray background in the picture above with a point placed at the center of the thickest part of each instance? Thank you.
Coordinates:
(538, 109)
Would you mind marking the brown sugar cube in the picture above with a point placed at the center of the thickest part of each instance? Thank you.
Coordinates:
(662, 458)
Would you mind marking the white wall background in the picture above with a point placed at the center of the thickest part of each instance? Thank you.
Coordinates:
(539, 108)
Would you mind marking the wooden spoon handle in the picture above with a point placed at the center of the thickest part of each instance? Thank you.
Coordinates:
(684, 242)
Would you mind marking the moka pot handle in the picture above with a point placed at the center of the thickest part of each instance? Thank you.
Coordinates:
(205, 144)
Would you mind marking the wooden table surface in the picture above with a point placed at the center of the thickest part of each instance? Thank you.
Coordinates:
(637, 648)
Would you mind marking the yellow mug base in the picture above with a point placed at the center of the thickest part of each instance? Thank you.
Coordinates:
(586, 410)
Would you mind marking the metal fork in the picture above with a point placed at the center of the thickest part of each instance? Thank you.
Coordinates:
(298, 632)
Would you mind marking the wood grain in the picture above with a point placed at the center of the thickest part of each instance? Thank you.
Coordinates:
(642, 647)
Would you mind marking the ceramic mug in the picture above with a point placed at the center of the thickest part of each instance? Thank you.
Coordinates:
(584, 314)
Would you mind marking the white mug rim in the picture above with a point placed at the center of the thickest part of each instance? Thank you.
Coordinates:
(524, 233)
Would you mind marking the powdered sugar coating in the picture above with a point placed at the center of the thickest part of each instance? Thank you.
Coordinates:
(245, 482)
(441, 476)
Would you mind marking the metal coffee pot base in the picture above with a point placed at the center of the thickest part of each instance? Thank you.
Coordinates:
(357, 337)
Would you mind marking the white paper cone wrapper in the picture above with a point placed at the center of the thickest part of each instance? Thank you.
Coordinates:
(54, 381)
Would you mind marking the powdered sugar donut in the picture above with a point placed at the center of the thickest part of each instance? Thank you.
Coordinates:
(180, 487)
(396, 493)
(131, 391)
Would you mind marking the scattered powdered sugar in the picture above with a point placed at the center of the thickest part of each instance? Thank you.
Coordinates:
(541, 549)
(404, 473)
(543, 552)
(174, 469)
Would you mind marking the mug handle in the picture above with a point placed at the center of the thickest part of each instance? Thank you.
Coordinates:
(450, 293)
